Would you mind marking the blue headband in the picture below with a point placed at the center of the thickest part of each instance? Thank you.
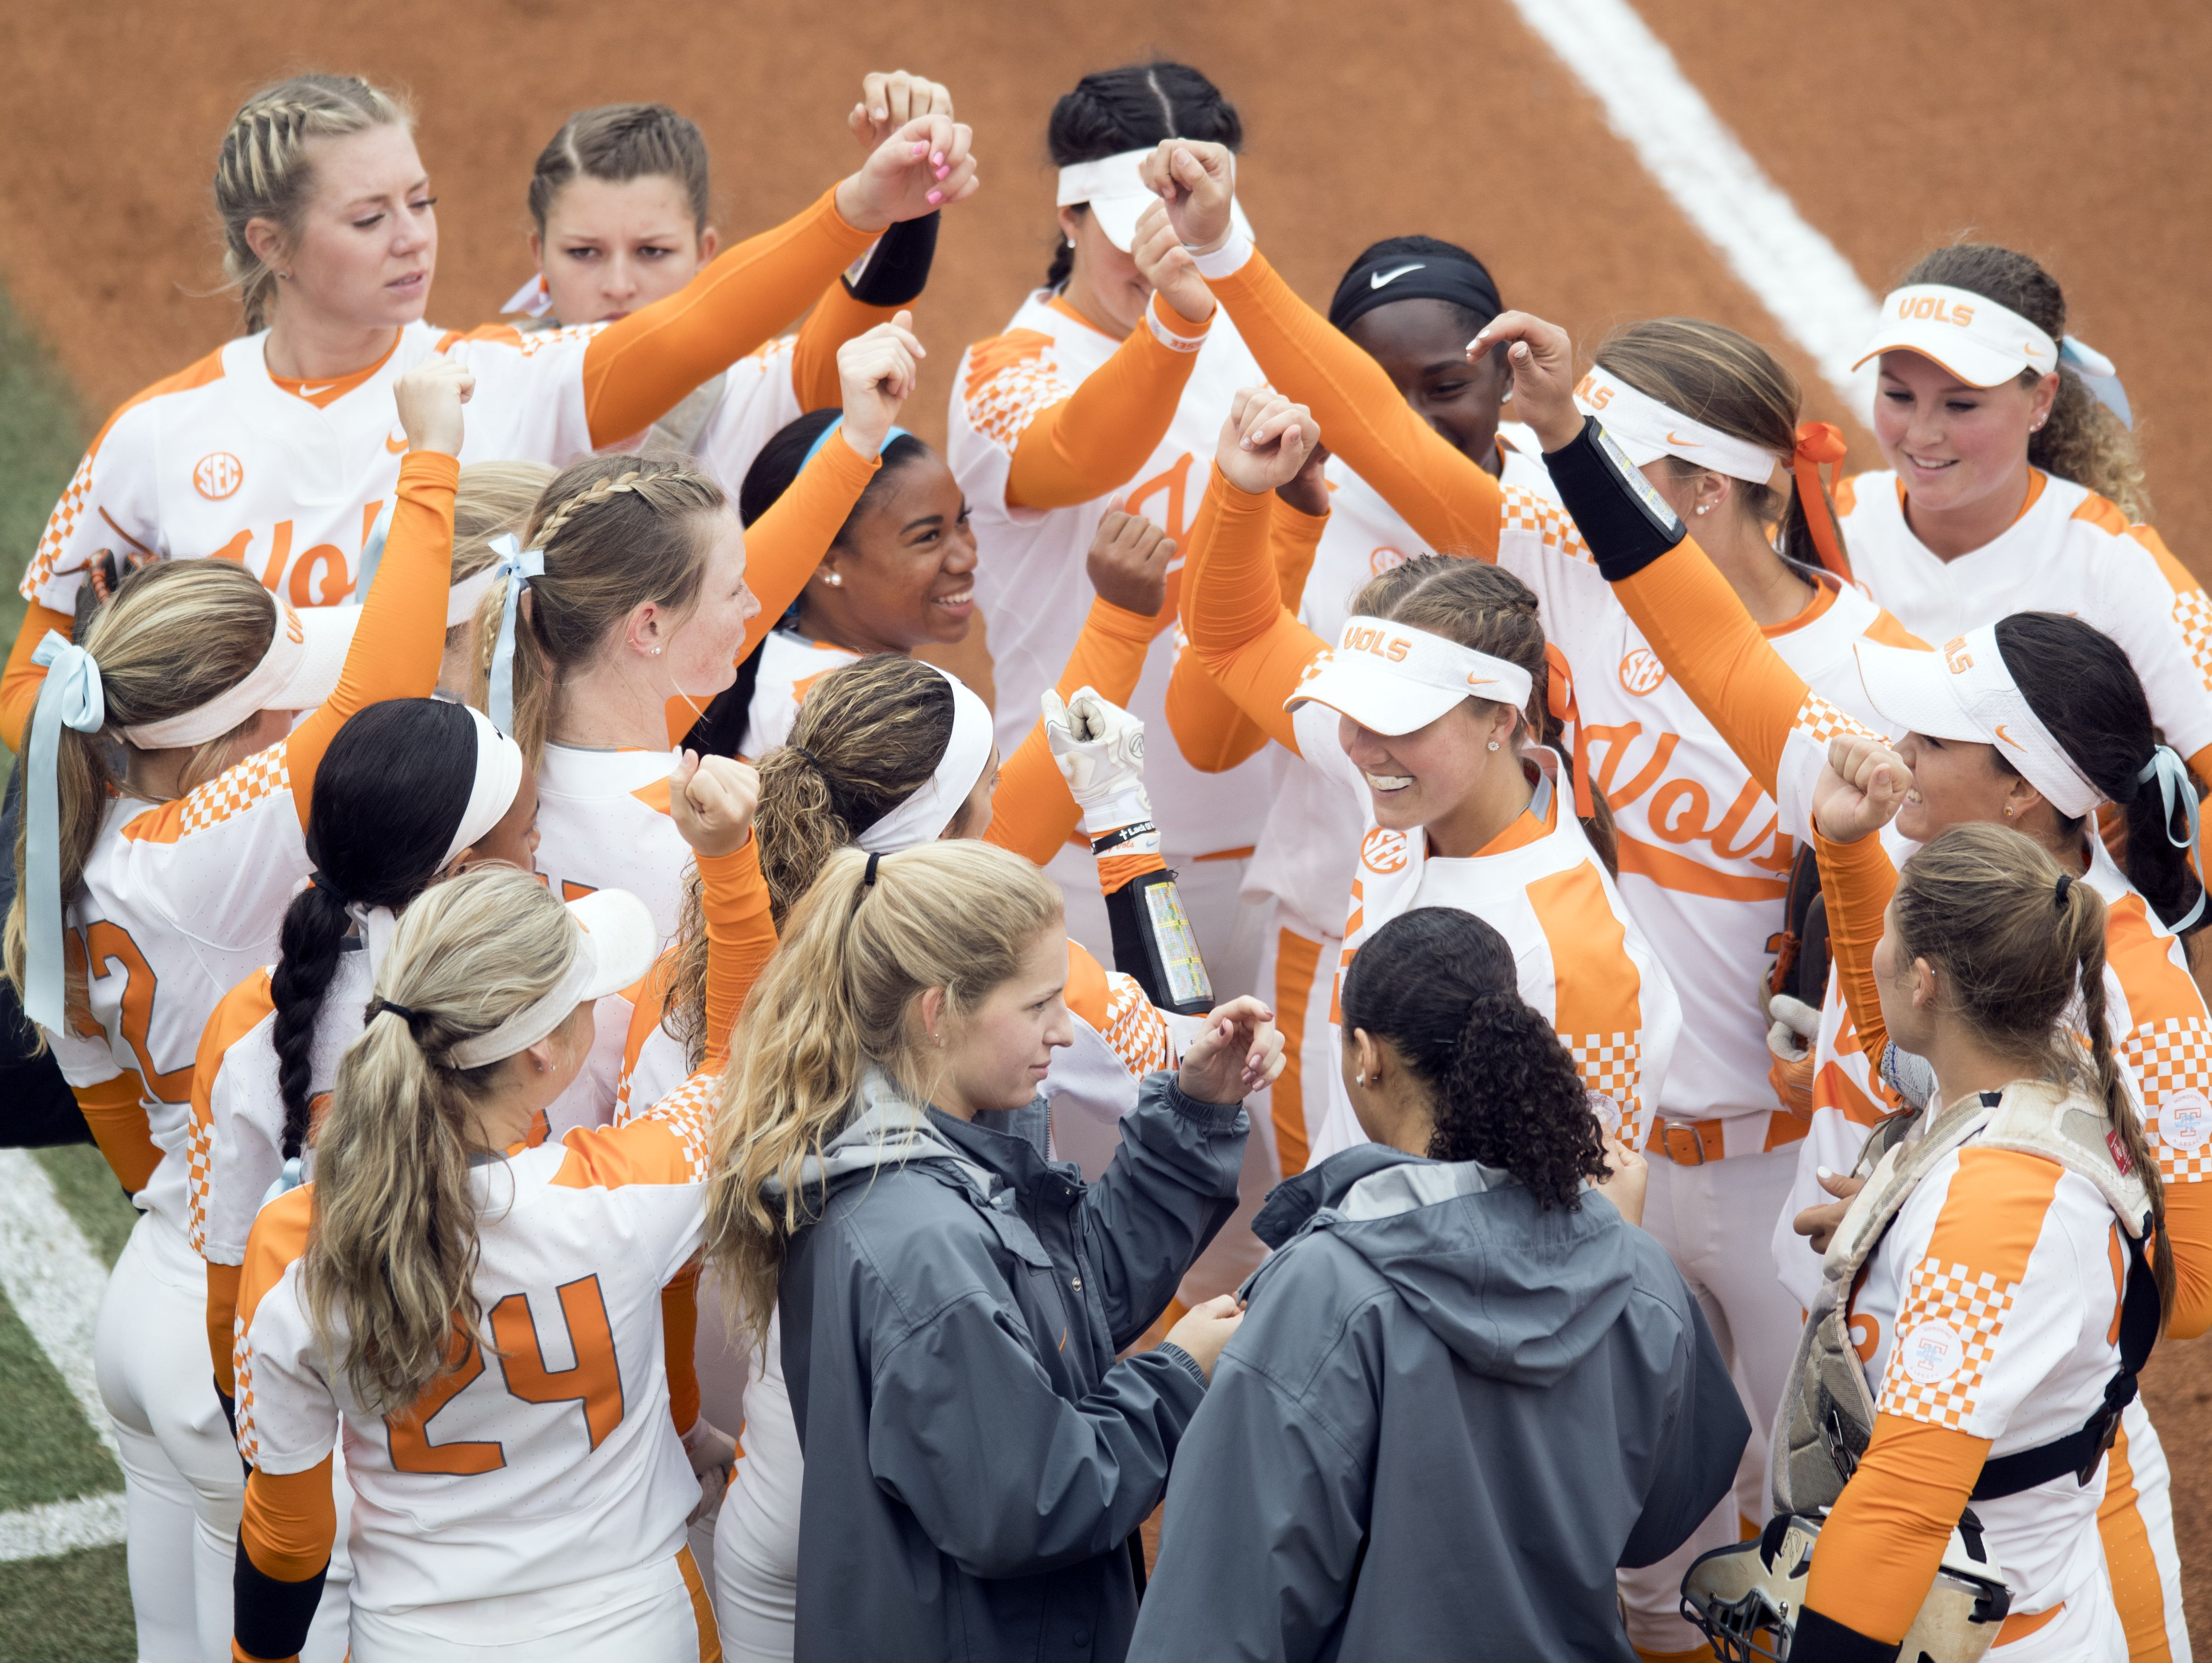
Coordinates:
(518, 566)
(822, 438)
(74, 698)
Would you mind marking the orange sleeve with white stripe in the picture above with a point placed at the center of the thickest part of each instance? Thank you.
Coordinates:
(1248, 640)
(835, 319)
(400, 640)
(115, 1111)
(741, 940)
(1032, 813)
(1857, 879)
(1880, 1547)
(637, 370)
(21, 681)
(1452, 503)
(1097, 438)
(1212, 734)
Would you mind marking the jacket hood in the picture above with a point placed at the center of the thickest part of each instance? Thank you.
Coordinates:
(884, 1129)
(1516, 1292)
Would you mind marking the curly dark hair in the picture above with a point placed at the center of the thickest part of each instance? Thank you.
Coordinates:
(1436, 985)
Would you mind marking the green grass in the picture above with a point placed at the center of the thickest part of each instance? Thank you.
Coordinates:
(87, 1188)
(49, 1453)
(75, 1609)
(42, 433)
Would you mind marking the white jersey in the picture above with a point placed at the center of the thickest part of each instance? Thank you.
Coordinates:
(2070, 551)
(220, 460)
(510, 1473)
(789, 665)
(1030, 575)
(603, 823)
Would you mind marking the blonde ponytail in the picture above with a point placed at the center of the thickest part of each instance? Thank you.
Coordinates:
(840, 994)
(392, 1252)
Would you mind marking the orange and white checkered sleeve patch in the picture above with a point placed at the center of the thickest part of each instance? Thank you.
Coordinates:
(2192, 616)
(1947, 1335)
(61, 527)
(1012, 380)
(1524, 511)
(199, 1162)
(1612, 1066)
(229, 794)
(686, 1115)
(1134, 1027)
(2173, 1064)
(1819, 721)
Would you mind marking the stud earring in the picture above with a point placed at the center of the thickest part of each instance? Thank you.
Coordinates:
(2007, 814)
(833, 580)
(1070, 241)
(656, 652)
(2035, 427)
(1705, 507)
(1359, 1079)
(1493, 744)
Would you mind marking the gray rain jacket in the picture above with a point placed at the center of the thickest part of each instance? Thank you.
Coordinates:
(977, 1460)
(1446, 1418)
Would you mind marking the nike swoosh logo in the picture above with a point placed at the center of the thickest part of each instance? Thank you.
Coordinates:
(2008, 737)
(1382, 278)
(395, 445)
(309, 392)
(1482, 681)
(1673, 438)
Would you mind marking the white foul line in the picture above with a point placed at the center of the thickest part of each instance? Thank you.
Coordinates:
(1796, 273)
(40, 1532)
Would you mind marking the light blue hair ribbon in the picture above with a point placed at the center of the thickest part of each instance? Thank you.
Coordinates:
(371, 552)
(518, 566)
(72, 697)
(2174, 785)
(822, 438)
(2098, 374)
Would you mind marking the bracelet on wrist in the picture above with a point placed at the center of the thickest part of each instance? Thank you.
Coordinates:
(1114, 840)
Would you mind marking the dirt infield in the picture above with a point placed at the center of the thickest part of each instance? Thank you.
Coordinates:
(2075, 132)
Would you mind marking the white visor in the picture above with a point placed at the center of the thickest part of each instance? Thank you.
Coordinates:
(923, 817)
(1391, 679)
(1965, 692)
(499, 776)
(306, 655)
(467, 594)
(1647, 430)
(1978, 340)
(1117, 195)
(615, 947)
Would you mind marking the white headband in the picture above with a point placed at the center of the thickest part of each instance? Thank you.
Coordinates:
(1981, 343)
(1392, 679)
(1118, 196)
(923, 817)
(615, 942)
(1966, 691)
(467, 594)
(1647, 430)
(306, 656)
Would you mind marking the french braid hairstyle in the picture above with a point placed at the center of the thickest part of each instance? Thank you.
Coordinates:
(1437, 985)
(264, 171)
(618, 532)
(1487, 608)
(1132, 108)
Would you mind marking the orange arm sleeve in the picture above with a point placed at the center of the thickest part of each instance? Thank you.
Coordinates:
(637, 370)
(835, 319)
(1098, 436)
(400, 640)
(740, 939)
(1710, 644)
(115, 1112)
(21, 681)
(290, 1522)
(1881, 1548)
(1857, 879)
(1212, 734)
(2189, 1220)
(1450, 501)
(679, 1339)
(1232, 608)
(1032, 813)
(221, 1317)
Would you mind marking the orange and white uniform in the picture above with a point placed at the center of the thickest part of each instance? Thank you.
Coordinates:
(2160, 1029)
(222, 459)
(789, 665)
(1582, 961)
(535, 1498)
(1053, 423)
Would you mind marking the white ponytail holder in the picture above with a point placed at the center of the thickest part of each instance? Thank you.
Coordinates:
(2174, 786)
(518, 566)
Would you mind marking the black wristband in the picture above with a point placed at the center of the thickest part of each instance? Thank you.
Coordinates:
(1823, 1640)
(896, 269)
(1114, 840)
(271, 1617)
(1626, 524)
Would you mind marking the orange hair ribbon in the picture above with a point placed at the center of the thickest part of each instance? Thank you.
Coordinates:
(1819, 442)
(1559, 700)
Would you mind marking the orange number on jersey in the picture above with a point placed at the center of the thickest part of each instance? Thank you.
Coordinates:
(592, 1379)
(109, 944)
(411, 1448)
(1171, 479)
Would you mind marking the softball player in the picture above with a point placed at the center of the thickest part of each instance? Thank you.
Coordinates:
(142, 897)
(2041, 718)
(1103, 391)
(493, 501)
(531, 1503)
(278, 451)
(620, 201)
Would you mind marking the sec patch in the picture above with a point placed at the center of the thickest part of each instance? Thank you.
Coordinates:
(218, 475)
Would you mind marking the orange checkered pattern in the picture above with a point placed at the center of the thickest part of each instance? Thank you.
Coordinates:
(2191, 611)
(1974, 1306)
(1011, 382)
(1134, 1029)
(1613, 1065)
(241, 1370)
(533, 342)
(234, 791)
(1821, 721)
(2173, 1062)
(59, 526)
(689, 1112)
(1523, 510)
(199, 1158)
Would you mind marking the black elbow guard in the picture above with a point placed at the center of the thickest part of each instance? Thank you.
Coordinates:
(1822, 1639)
(896, 269)
(269, 1618)
(1152, 942)
(1626, 524)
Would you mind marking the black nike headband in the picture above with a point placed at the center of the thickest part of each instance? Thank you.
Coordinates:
(1457, 277)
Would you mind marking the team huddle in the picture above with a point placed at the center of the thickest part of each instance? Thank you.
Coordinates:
(1552, 1034)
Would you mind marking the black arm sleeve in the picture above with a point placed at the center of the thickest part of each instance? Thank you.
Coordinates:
(271, 1618)
(896, 269)
(1626, 524)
